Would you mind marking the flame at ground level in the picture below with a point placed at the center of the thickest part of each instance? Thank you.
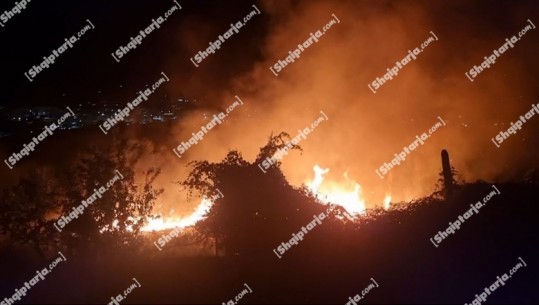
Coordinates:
(348, 195)
(173, 222)
(387, 202)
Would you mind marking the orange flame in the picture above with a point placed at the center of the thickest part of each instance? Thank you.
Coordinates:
(348, 195)
(350, 198)
(387, 202)
(175, 222)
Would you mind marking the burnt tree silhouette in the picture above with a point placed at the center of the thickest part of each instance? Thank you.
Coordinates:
(24, 210)
(114, 220)
(450, 180)
(259, 210)
(448, 175)
(29, 209)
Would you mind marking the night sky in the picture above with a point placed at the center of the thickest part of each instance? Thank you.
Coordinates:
(363, 129)
(78, 74)
(332, 76)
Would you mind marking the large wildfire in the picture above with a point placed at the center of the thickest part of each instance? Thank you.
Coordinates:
(364, 130)
(347, 195)
(171, 222)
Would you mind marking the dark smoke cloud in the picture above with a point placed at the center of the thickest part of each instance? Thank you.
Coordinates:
(365, 129)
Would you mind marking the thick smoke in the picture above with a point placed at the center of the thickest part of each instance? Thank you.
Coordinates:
(365, 130)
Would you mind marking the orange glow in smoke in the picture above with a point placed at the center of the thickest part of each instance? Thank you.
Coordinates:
(347, 195)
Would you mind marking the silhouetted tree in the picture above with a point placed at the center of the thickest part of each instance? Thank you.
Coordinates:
(116, 218)
(440, 187)
(258, 209)
(26, 211)
(30, 209)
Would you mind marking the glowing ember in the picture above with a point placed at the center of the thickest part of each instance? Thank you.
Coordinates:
(349, 197)
(171, 223)
(387, 202)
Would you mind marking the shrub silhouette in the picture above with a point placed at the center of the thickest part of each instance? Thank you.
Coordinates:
(29, 209)
(259, 210)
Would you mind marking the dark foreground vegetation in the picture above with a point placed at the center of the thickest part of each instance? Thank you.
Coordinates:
(336, 260)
